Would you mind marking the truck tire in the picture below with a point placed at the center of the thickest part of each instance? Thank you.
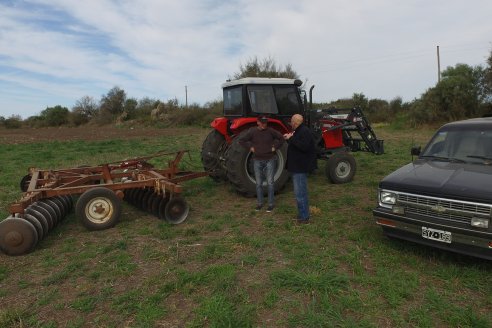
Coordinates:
(213, 149)
(340, 167)
(98, 208)
(240, 171)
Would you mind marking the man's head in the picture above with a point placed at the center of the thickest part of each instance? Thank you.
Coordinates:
(296, 120)
(262, 122)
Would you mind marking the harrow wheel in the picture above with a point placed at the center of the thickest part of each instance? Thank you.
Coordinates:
(174, 211)
(98, 208)
(17, 236)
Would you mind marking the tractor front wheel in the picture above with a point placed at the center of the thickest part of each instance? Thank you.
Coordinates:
(240, 170)
(213, 150)
(340, 168)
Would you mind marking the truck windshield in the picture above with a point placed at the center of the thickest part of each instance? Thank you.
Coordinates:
(473, 146)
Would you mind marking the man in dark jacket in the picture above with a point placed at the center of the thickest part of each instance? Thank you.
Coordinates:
(301, 160)
(263, 142)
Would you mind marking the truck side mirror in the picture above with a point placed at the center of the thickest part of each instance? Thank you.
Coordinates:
(415, 151)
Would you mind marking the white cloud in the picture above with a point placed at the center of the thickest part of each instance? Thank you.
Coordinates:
(56, 51)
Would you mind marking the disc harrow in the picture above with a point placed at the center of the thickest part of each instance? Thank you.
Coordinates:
(48, 198)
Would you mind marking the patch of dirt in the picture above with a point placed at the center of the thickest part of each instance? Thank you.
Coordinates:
(88, 133)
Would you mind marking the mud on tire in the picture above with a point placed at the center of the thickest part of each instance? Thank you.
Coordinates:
(213, 149)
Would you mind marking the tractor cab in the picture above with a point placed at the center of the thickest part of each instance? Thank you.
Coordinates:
(247, 98)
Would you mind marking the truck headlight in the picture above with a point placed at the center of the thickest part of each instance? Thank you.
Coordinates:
(479, 223)
(387, 198)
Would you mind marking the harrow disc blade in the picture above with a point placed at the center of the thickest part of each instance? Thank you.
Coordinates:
(24, 183)
(63, 204)
(135, 196)
(36, 224)
(17, 236)
(40, 217)
(137, 199)
(69, 201)
(146, 200)
(175, 211)
(51, 210)
(55, 207)
(45, 213)
(155, 204)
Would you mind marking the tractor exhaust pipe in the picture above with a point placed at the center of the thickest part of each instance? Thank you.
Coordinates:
(311, 97)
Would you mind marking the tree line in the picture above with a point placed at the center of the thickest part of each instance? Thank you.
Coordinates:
(463, 91)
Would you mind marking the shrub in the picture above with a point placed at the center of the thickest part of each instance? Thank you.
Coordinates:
(13, 122)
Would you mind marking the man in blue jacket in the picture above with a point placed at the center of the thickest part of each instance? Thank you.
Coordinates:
(301, 160)
(263, 142)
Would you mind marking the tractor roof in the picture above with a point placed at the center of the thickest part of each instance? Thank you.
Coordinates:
(261, 80)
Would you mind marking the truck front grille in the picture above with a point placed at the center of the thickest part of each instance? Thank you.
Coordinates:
(444, 209)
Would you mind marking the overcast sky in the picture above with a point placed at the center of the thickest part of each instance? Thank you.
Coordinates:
(54, 52)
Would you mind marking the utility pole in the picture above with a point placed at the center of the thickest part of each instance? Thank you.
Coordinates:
(438, 66)
(186, 96)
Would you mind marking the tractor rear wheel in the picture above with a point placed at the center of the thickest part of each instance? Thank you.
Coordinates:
(213, 149)
(340, 167)
(240, 171)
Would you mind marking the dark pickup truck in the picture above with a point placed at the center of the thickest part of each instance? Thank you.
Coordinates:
(443, 199)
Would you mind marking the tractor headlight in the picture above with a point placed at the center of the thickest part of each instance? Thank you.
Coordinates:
(387, 198)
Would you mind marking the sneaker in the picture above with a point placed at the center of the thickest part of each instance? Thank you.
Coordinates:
(270, 208)
(299, 222)
(258, 207)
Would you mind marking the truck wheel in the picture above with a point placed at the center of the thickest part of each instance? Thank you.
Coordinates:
(340, 168)
(240, 171)
(213, 149)
(98, 208)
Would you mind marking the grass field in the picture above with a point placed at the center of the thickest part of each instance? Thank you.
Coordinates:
(229, 266)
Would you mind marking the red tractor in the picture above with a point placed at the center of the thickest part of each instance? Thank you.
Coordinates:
(247, 98)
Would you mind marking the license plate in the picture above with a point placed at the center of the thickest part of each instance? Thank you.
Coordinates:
(434, 234)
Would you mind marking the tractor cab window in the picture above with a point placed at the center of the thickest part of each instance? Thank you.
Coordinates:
(233, 104)
(262, 99)
(287, 100)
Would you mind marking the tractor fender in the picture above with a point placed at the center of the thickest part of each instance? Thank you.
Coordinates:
(220, 124)
(241, 124)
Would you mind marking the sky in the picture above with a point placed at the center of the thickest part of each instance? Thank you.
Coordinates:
(54, 52)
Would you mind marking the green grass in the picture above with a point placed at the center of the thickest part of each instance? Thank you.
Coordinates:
(230, 266)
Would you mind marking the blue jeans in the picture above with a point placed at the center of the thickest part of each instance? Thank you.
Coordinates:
(301, 194)
(264, 169)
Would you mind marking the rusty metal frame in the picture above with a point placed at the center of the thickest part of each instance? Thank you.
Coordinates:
(117, 176)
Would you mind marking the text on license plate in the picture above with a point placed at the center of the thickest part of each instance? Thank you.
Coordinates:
(434, 234)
